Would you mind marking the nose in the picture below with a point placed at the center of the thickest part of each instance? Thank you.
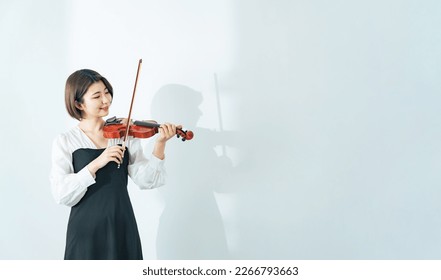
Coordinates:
(106, 99)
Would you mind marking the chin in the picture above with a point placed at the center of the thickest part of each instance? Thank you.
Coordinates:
(104, 114)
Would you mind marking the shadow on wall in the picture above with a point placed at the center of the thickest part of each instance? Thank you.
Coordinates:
(191, 225)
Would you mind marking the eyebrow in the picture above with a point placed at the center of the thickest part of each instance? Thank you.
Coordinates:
(99, 91)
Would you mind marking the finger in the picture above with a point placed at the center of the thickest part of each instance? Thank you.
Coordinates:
(120, 155)
(122, 149)
(119, 148)
(116, 151)
(171, 129)
(164, 130)
(115, 156)
(164, 133)
(116, 160)
(112, 156)
(115, 148)
(124, 121)
(121, 152)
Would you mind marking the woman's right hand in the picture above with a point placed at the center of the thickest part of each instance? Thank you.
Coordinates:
(113, 153)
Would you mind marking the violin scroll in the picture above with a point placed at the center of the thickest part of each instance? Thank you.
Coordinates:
(186, 135)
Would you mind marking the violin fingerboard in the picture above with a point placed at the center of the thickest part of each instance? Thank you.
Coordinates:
(146, 124)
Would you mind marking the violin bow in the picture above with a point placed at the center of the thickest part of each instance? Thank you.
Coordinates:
(130, 110)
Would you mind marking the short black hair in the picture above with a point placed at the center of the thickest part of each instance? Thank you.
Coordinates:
(77, 85)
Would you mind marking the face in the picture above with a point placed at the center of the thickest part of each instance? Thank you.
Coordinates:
(96, 101)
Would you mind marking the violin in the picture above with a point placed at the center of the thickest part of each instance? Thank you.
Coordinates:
(114, 128)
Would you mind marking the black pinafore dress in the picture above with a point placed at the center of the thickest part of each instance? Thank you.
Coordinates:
(102, 225)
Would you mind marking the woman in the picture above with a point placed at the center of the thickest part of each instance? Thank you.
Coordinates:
(90, 174)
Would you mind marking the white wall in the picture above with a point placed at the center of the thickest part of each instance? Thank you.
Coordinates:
(324, 145)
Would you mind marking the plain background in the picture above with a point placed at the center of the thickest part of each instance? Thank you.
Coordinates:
(316, 123)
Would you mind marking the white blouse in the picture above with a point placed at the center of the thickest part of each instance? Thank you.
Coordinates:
(68, 187)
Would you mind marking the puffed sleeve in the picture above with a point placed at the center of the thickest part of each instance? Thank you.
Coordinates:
(67, 187)
(147, 173)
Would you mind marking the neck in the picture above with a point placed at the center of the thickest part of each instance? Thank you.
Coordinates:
(92, 125)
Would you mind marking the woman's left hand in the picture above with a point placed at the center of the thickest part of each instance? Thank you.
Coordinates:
(167, 131)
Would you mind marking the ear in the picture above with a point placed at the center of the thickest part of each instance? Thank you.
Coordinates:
(78, 105)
